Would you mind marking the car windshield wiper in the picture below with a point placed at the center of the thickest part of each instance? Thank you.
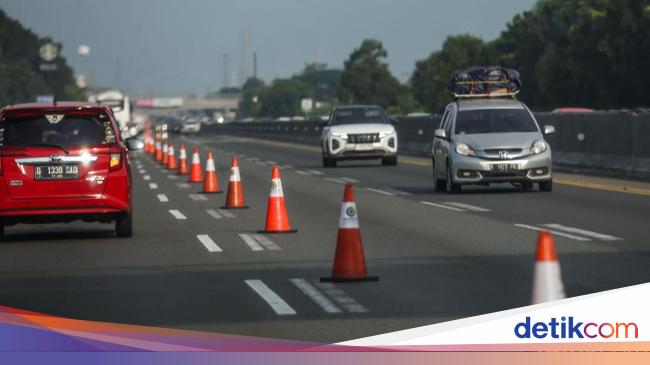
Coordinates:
(49, 145)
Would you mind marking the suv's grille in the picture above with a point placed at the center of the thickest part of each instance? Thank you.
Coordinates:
(363, 138)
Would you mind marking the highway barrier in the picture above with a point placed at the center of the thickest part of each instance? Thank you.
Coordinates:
(604, 143)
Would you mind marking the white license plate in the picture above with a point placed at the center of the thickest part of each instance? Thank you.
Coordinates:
(505, 167)
(363, 147)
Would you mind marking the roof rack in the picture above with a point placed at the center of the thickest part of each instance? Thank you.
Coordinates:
(484, 82)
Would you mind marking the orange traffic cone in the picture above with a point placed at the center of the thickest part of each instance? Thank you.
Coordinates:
(196, 175)
(277, 220)
(210, 182)
(235, 198)
(547, 280)
(182, 161)
(165, 151)
(158, 150)
(349, 260)
(171, 160)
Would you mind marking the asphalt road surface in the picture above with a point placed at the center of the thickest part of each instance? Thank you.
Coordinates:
(439, 257)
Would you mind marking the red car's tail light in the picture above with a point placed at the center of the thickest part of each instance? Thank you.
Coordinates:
(116, 161)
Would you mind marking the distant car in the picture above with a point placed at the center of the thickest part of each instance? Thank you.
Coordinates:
(191, 126)
(359, 132)
(485, 141)
(64, 162)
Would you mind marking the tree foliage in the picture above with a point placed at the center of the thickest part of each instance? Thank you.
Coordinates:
(20, 78)
(366, 78)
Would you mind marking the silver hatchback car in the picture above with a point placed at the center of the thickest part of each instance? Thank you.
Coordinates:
(483, 141)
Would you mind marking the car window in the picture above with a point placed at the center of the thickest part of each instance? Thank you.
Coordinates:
(359, 115)
(443, 120)
(450, 119)
(57, 129)
(494, 121)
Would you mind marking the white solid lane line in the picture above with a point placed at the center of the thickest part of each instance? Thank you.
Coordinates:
(279, 306)
(198, 197)
(251, 242)
(314, 294)
(379, 191)
(340, 297)
(208, 243)
(473, 208)
(557, 233)
(582, 232)
(177, 214)
(266, 242)
(163, 198)
(442, 206)
(153, 186)
(146, 177)
(213, 213)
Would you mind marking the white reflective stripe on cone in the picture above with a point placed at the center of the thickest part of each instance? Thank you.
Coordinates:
(234, 174)
(276, 188)
(209, 166)
(196, 159)
(183, 154)
(547, 282)
(349, 217)
(170, 150)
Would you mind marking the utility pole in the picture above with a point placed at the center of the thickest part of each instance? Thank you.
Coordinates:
(243, 70)
(226, 70)
(255, 64)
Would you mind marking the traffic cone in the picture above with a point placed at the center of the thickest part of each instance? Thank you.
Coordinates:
(196, 175)
(277, 220)
(235, 198)
(165, 151)
(158, 150)
(349, 260)
(171, 160)
(182, 161)
(210, 182)
(547, 280)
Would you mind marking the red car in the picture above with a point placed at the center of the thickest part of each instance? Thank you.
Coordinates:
(64, 162)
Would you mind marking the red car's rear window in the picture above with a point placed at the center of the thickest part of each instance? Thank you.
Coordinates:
(64, 130)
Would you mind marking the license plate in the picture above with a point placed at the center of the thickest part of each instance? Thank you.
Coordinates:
(56, 172)
(363, 147)
(505, 167)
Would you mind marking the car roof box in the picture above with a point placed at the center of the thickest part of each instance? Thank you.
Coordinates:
(485, 82)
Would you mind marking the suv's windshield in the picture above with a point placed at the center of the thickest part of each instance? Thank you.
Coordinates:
(494, 121)
(358, 116)
(57, 130)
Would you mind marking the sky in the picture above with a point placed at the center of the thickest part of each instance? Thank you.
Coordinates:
(177, 47)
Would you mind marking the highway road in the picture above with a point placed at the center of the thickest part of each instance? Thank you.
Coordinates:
(439, 257)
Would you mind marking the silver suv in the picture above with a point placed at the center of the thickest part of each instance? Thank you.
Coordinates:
(359, 132)
(485, 141)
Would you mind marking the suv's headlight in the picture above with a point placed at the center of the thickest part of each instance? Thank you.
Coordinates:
(386, 134)
(538, 147)
(340, 135)
(464, 150)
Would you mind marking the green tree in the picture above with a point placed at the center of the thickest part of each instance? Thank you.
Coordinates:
(323, 81)
(430, 80)
(283, 98)
(251, 98)
(366, 78)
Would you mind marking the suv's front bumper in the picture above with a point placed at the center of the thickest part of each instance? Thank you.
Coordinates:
(340, 149)
(473, 170)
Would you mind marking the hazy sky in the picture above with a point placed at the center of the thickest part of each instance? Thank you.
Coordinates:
(175, 47)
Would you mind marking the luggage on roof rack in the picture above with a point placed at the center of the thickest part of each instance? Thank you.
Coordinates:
(485, 82)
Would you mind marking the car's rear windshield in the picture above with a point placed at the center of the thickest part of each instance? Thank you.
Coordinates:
(359, 115)
(56, 129)
(494, 121)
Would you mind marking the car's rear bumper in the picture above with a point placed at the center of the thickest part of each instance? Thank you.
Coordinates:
(534, 168)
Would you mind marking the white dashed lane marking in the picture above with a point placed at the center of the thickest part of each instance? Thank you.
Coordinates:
(266, 242)
(198, 197)
(153, 186)
(279, 306)
(218, 214)
(554, 232)
(314, 172)
(173, 177)
(457, 207)
(473, 208)
(146, 177)
(315, 295)
(379, 191)
(251, 242)
(183, 185)
(341, 298)
(338, 181)
(443, 206)
(208, 243)
(583, 232)
(177, 214)
(349, 180)
(163, 198)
